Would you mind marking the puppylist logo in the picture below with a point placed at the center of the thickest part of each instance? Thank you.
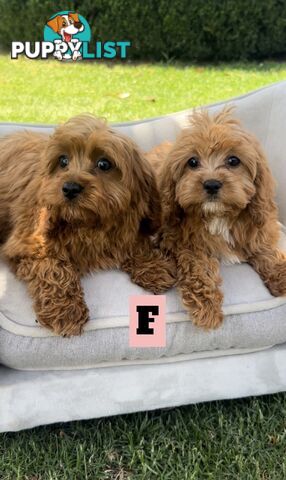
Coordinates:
(67, 36)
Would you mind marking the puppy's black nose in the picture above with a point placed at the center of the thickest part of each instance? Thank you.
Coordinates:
(77, 24)
(71, 189)
(212, 186)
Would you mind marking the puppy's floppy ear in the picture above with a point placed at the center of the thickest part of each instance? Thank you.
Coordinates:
(150, 200)
(74, 16)
(54, 24)
(262, 204)
(158, 157)
(172, 212)
(141, 181)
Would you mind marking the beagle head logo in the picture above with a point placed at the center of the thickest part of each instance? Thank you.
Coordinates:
(66, 25)
(67, 30)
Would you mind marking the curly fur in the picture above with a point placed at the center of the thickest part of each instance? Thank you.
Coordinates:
(239, 224)
(50, 241)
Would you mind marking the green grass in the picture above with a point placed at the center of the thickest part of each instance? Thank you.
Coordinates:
(49, 91)
(242, 439)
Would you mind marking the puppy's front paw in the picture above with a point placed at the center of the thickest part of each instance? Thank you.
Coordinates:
(164, 276)
(67, 319)
(204, 305)
(156, 275)
(76, 55)
(161, 277)
(276, 283)
(58, 55)
(209, 316)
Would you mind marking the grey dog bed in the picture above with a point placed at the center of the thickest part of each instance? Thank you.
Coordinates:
(253, 319)
(255, 322)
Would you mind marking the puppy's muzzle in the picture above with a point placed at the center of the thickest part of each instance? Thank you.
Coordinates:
(71, 189)
(212, 186)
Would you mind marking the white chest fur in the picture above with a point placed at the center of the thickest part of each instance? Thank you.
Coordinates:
(219, 226)
(229, 259)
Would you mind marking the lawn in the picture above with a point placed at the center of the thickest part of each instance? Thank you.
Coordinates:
(239, 439)
(234, 440)
(50, 92)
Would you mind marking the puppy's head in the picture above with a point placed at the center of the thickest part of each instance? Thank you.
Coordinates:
(217, 168)
(94, 174)
(66, 25)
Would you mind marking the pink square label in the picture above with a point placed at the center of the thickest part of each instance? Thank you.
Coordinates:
(147, 326)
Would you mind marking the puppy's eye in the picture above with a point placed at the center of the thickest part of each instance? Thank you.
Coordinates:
(63, 161)
(233, 161)
(104, 164)
(193, 162)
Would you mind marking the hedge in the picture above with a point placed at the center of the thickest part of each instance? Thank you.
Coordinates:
(189, 30)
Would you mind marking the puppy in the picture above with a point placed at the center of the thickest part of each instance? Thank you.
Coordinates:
(66, 26)
(79, 200)
(218, 200)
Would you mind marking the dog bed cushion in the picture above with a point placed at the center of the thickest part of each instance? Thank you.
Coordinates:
(253, 318)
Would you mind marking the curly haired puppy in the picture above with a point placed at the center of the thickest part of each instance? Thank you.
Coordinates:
(79, 200)
(218, 200)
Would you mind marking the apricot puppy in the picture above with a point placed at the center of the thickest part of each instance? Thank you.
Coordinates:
(218, 200)
(81, 199)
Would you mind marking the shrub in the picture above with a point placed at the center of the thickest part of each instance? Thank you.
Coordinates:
(160, 29)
